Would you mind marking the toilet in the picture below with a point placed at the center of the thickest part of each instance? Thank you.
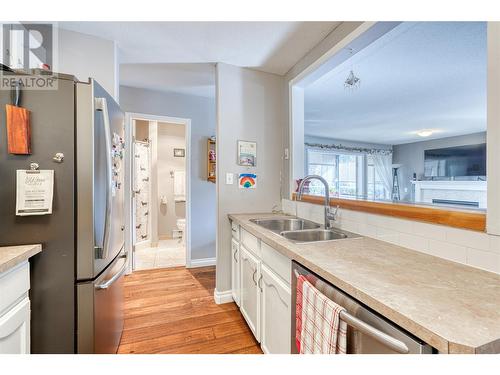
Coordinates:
(181, 225)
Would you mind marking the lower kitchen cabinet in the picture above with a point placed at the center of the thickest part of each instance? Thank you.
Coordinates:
(15, 329)
(275, 313)
(260, 286)
(235, 271)
(249, 290)
(15, 310)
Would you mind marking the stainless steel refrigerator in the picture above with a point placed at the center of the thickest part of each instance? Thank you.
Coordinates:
(77, 280)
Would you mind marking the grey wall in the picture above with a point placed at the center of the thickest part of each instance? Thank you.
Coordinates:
(249, 107)
(87, 56)
(411, 156)
(201, 111)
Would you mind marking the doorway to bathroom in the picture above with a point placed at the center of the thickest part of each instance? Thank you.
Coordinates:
(159, 235)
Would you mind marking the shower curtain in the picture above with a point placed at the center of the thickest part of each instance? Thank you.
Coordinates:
(141, 186)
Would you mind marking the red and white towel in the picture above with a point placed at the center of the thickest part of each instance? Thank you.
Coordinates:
(319, 329)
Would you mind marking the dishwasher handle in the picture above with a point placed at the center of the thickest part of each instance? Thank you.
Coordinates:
(382, 337)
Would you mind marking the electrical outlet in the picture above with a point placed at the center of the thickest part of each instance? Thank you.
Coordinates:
(229, 178)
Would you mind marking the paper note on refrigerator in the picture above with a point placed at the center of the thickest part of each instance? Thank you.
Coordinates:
(34, 193)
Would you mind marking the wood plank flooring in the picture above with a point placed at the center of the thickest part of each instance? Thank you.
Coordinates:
(172, 310)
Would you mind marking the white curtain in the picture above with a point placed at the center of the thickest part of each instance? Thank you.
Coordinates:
(383, 166)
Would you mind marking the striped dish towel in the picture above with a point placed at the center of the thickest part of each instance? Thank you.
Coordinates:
(298, 312)
(321, 330)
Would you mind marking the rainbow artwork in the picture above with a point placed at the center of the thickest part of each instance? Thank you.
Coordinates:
(247, 180)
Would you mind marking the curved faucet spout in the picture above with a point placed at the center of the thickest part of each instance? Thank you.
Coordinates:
(314, 177)
(329, 214)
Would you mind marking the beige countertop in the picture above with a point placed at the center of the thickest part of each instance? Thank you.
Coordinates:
(453, 307)
(11, 256)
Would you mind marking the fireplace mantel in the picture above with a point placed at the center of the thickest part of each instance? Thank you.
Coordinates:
(460, 191)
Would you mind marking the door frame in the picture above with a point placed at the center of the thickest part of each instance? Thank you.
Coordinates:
(129, 220)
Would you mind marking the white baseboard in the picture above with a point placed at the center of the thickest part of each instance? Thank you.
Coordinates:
(223, 297)
(202, 262)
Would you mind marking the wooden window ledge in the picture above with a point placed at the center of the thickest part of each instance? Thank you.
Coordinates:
(457, 218)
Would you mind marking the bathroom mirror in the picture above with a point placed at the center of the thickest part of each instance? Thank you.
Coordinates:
(400, 118)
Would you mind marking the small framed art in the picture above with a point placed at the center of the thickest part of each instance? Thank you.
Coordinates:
(247, 153)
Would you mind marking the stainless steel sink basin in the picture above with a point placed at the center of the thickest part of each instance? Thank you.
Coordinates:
(317, 235)
(285, 225)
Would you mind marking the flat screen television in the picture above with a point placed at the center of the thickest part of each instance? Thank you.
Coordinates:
(460, 161)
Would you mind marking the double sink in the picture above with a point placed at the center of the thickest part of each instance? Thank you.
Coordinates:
(302, 231)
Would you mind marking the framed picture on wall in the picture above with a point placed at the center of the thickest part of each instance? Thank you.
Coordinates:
(179, 152)
(247, 153)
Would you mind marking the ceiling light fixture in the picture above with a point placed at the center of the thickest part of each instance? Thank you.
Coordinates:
(425, 132)
(352, 82)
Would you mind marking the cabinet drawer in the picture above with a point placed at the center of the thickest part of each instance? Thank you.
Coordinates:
(251, 242)
(14, 284)
(235, 230)
(279, 263)
(15, 329)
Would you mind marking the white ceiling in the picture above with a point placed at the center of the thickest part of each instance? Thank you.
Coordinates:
(423, 75)
(191, 79)
(272, 47)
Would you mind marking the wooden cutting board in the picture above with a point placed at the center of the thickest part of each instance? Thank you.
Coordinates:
(18, 130)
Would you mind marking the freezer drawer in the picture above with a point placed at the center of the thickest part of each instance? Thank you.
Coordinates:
(367, 331)
(100, 310)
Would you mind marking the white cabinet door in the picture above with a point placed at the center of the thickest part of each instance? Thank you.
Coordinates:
(235, 271)
(275, 313)
(250, 292)
(15, 329)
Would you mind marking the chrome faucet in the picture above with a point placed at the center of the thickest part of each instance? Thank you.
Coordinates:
(330, 214)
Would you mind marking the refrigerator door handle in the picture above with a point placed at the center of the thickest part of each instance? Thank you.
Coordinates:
(115, 277)
(101, 245)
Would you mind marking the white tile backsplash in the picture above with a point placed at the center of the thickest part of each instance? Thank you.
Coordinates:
(468, 238)
(476, 249)
(448, 251)
(367, 230)
(289, 207)
(435, 232)
(311, 212)
(495, 244)
(414, 242)
(483, 259)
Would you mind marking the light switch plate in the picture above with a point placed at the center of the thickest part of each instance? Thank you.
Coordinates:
(229, 178)
(286, 154)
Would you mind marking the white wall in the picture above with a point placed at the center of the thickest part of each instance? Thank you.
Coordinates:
(201, 111)
(87, 56)
(249, 107)
(170, 136)
(320, 51)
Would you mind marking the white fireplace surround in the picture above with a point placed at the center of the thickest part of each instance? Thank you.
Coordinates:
(461, 191)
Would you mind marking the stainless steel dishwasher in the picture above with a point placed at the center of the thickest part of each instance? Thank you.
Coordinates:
(367, 331)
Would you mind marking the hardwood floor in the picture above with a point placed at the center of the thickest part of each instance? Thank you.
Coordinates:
(172, 310)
